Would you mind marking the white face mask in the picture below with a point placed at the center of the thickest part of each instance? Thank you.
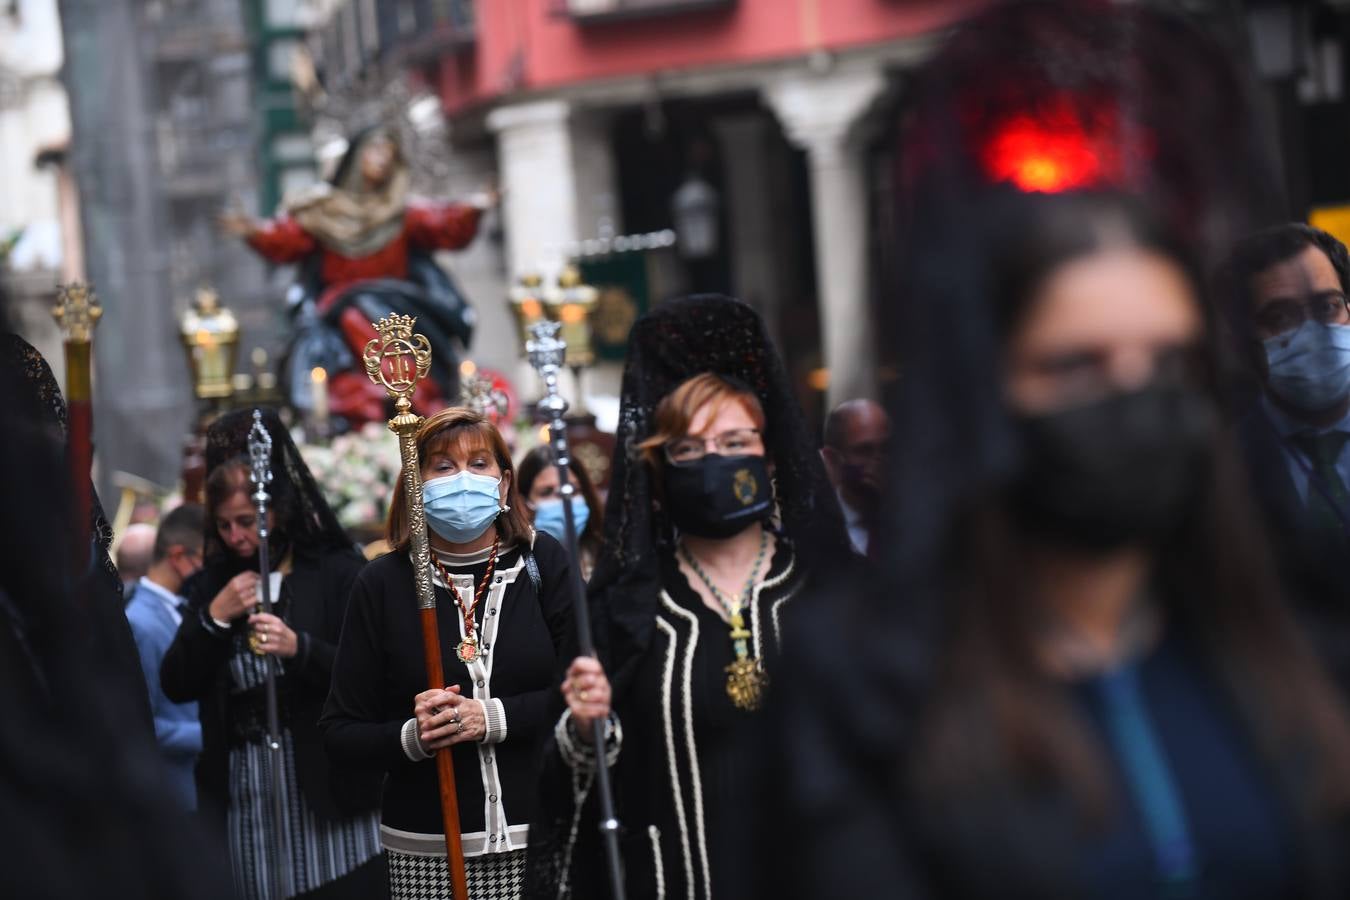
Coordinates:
(1309, 368)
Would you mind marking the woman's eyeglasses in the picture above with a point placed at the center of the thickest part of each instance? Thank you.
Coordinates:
(737, 442)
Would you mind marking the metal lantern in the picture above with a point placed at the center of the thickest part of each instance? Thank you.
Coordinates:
(527, 303)
(572, 305)
(210, 335)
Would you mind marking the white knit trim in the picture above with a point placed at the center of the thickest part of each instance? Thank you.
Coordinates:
(464, 559)
(658, 865)
(412, 742)
(667, 677)
(773, 610)
(475, 843)
(480, 670)
(495, 713)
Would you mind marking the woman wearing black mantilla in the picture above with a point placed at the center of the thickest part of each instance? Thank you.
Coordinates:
(218, 659)
(719, 514)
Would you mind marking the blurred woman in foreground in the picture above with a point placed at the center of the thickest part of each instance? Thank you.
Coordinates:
(1077, 679)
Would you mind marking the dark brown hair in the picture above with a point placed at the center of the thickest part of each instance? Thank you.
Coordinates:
(455, 428)
(540, 458)
(996, 715)
(676, 410)
(225, 480)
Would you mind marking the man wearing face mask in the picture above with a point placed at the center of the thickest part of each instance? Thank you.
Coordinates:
(856, 432)
(155, 612)
(1289, 284)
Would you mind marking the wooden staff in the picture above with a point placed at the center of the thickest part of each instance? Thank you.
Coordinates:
(77, 311)
(397, 360)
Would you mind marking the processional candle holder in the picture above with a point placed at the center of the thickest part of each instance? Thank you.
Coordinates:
(210, 334)
(571, 305)
(526, 299)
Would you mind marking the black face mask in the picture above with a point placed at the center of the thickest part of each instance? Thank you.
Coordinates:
(1118, 471)
(718, 496)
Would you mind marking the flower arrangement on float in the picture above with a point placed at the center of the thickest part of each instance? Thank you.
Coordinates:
(357, 472)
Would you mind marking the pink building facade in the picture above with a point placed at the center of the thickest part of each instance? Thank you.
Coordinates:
(759, 132)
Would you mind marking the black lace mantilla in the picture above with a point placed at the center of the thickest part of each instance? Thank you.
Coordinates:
(38, 401)
(674, 342)
(305, 521)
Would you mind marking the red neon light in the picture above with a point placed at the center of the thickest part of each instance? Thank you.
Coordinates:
(1053, 150)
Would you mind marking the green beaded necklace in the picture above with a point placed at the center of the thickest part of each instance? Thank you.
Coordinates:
(746, 678)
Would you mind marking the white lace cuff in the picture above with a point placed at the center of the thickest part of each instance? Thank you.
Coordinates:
(580, 755)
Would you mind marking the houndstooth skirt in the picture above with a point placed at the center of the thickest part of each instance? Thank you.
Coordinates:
(493, 876)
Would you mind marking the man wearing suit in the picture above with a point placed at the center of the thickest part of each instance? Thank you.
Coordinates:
(154, 612)
(1289, 287)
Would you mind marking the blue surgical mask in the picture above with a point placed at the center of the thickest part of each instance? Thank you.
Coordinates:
(1310, 366)
(548, 517)
(460, 507)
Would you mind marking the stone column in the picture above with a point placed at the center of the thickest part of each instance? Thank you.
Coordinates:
(538, 180)
(820, 115)
(559, 185)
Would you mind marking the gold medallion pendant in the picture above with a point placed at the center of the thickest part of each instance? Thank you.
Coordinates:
(467, 651)
(746, 684)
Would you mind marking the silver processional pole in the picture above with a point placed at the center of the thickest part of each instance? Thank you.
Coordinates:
(260, 474)
(546, 352)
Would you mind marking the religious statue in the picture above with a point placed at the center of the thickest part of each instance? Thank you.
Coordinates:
(364, 253)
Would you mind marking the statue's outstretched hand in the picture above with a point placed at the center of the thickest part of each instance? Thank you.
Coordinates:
(237, 224)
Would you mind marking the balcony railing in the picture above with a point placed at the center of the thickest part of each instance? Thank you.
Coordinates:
(365, 34)
(597, 11)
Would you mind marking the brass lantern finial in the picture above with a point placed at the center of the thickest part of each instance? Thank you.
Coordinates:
(77, 311)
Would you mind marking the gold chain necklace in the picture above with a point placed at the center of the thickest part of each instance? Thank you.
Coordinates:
(467, 649)
(746, 679)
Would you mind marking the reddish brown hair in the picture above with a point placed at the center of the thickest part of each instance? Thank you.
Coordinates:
(676, 411)
(453, 429)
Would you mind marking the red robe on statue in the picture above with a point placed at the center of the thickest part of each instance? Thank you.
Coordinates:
(425, 227)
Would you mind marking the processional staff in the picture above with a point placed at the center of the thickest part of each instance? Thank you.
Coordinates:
(260, 474)
(397, 360)
(547, 352)
(77, 311)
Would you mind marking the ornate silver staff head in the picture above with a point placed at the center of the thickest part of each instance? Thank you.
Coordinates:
(546, 352)
(260, 461)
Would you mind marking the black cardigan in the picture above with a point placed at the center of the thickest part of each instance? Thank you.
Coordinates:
(380, 668)
(678, 728)
(196, 668)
